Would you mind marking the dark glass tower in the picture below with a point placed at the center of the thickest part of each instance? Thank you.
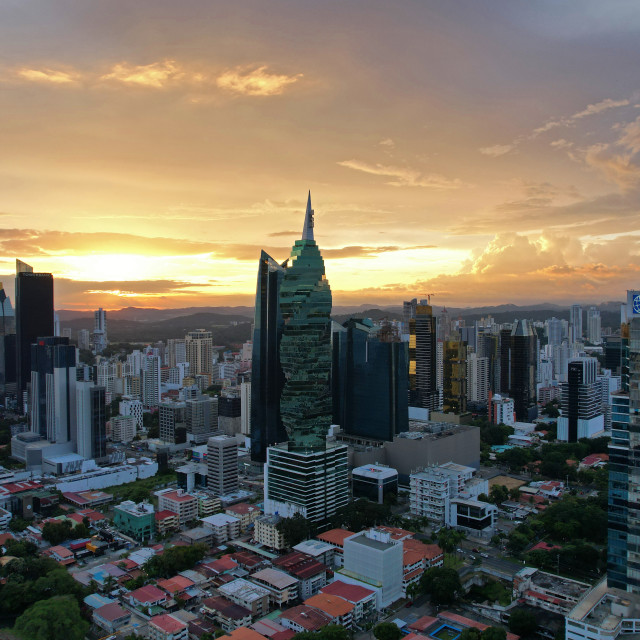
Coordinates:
(305, 347)
(53, 389)
(454, 375)
(34, 318)
(267, 378)
(523, 368)
(423, 390)
(369, 382)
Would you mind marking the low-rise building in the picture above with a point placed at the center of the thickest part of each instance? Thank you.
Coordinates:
(61, 555)
(166, 522)
(229, 615)
(336, 538)
(146, 597)
(223, 527)
(208, 504)
(304, 618)
(311, 574)
(184, 504)
(245, 512)
(282, 587)
(176, 587)
(167, 627)
(111, 617)
(547, 591)
(266, 532)
(473, 516)
(417, 557)
(362, 599)
(339, 610)
(247, 594)
(374, 482)
(135, 520)
(321, 551)
(198, 535)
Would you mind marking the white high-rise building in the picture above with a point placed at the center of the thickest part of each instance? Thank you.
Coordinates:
(199, 352)
(176, 351)
(123, 428)
(222, 465)
(84, 339)
(594, 325)
(151, 381)
(477, 378)
(575, 323)
(554, 331)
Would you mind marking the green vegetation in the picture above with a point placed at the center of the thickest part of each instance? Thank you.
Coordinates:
(522, 622)
(175, 559)
(294, 529)
(449, 539)
(17, 524)
(361, 514)
(140, 490)
(56, 532)
(56, 618)
(442, 584)
(490, 633)
(387, 631)
(151, 422)
(330, 632)
(493, 591)
(5, 443)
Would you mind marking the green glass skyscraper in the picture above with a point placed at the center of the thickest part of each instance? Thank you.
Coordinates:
(305, 347)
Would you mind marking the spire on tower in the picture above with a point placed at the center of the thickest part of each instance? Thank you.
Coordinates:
(307, 230)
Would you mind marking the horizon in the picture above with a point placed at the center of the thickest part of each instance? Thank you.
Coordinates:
(151, 153)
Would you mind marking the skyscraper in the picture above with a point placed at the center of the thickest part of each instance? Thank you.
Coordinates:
(454, 375)
(99, 331)
(34, 318)
(369, 382)
(92, 421)
(267, 377)
(307, 474)
(594, 325)
(222, 464)
(624, 464)
(575, 323)
(423, 391)
(305, 347)
(52, 409)
(523, 364)
(582, 415)
(151, 381)
(554, 331)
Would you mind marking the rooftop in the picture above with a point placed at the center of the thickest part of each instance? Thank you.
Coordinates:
(350, 592)
(148, 593)
(335, 606)
(375, 471)
(133, 509)
(167, 623)
(247, 591)
(226, 608)
(335, 536)
(244, 633)
(314, 547)
(165, 513)
(605, 607)
(307, 617)
(242, 508)
(274, 577)
(111, 612)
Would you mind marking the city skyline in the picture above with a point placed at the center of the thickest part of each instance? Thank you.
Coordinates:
(482, 153)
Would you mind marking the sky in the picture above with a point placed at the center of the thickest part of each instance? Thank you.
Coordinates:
(479, 152)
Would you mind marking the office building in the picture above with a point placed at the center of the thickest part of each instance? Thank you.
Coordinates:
(172, 421)
(222, 464)
(582, 415)
(53, 389)
(523, 360)
(84, 339)
(201, 418)
(422, 359)
(199, 352)
(230, 412)
(374, 482)
(373, 557)
(177, 501)
(575, 323)
(454, 375)
(594, 326)
(613, 354)
(267, 377)
(408, 313)
(245, 409)
(176, 351)
(131, 407)
(369, 381)
(624, 466)
(92, 421)
(123, 428)
(554, 331)
(34, 318)
(305, 346)
(312, 483)
(99, 337)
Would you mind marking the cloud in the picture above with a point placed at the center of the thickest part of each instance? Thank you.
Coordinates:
(561, 144)
(497, 150)
(156, 74)
(254, 82)
(403, 177)
(52, 76)
(387, 142)
(590, 110)
(277, 234)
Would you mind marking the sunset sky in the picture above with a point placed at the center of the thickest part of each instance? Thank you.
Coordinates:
(480, 151)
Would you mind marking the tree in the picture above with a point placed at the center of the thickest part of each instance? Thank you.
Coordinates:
(494, 633)
(17, 524)
(498, 494)
(174, 560)
(57, 618)
(442, 584)
(522, 622)
(294, 529)
(387, 631)
(470, 633)
(21, 548)
(57, 532)
(449, 539)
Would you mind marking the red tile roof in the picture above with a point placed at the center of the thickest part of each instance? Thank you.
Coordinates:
(148, 594)
(468, 622)
(242, 508)
(300, 565)
(227, 608)
(335, 606)
(335, 536)
(422, 624)
(244, 633)
(168, 623)
(396, 533)
(17, 487)
(175, 584)
(178, 497)
(308, 618)
(165, 513)
(350, 592)
(111, 612)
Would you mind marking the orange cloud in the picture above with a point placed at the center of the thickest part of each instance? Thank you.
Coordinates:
(255, 82)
